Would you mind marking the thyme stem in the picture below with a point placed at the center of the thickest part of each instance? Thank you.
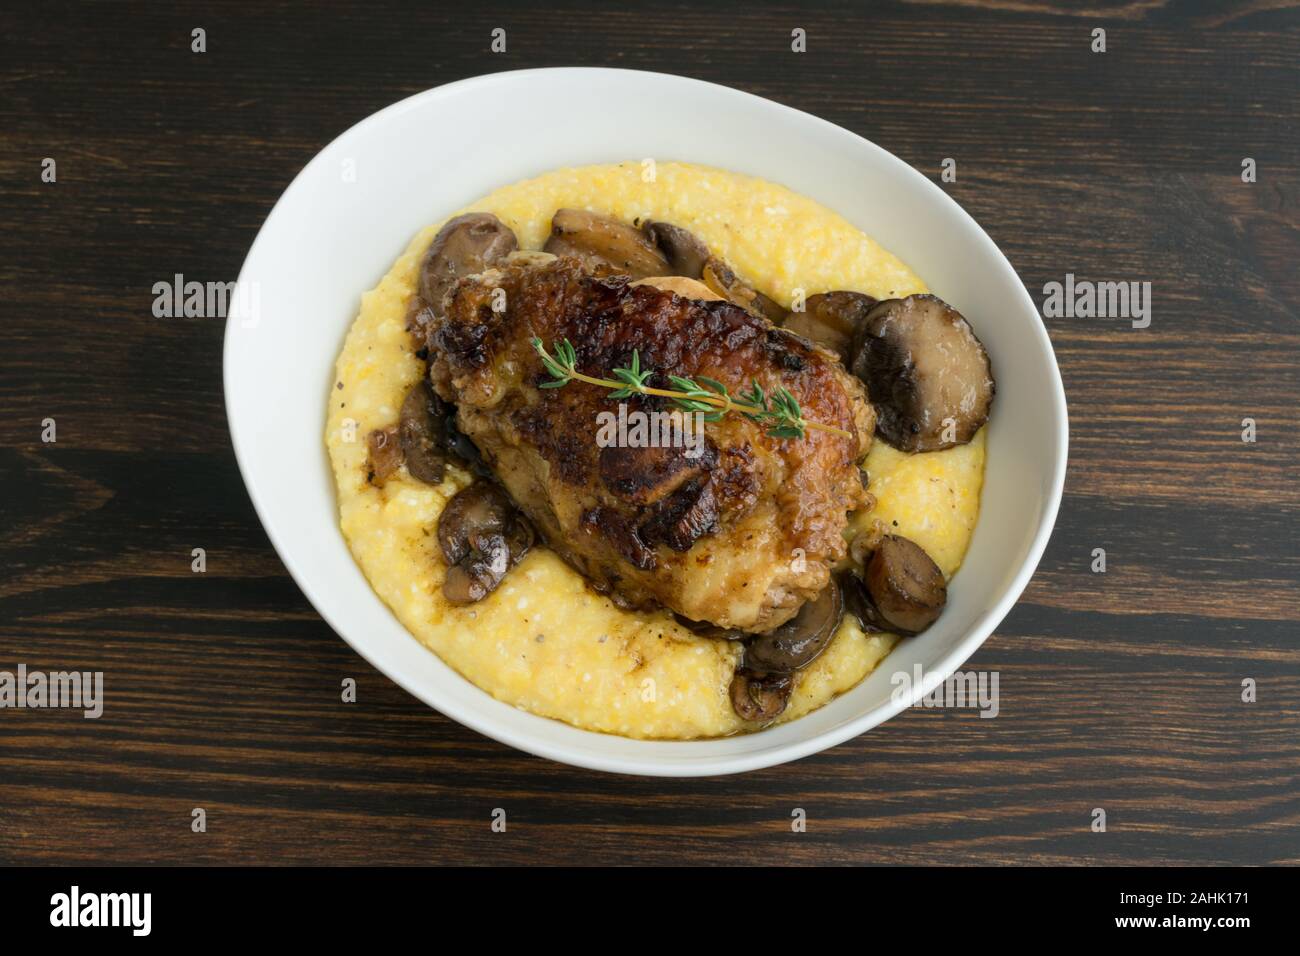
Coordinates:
(780, 411)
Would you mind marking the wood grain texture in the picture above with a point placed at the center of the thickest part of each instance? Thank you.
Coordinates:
(1119, 691)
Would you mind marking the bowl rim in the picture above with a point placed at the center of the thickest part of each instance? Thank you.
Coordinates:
(717, 765)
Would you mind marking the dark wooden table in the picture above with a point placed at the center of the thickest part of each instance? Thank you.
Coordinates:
(1120, 690)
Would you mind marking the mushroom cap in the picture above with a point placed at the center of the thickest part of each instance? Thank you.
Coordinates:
(604, 244)
(465, 245)
(906, 587)
(685, 253)
(831, 319)
(482, 537)
(798, 641)
(926, 372)
(423, 433)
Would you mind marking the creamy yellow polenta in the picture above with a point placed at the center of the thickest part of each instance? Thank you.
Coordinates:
(543, 640)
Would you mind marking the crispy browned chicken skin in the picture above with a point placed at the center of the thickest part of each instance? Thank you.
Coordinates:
(739, 536)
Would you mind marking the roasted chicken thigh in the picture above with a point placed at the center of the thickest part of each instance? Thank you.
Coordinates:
(739, 529)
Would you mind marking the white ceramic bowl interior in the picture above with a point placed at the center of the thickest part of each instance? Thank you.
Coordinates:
(329, 239)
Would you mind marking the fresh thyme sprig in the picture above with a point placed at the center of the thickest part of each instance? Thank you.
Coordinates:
(780, 411)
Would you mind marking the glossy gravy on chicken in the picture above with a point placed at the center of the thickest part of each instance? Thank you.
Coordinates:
(542, 637)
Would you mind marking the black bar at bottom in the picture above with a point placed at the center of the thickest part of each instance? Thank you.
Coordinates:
(336, 905)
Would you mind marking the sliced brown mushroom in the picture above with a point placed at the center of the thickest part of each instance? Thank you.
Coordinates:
(422, 430)
(757, 696)
(478, 509)
(761, 687)
(482, 536)
(830, 319)
(685, 253)
(463, 449)
(928, 375)
(719, 277)
(464, 246)
(858, 603)
(597, 239)
(799, 640)
(905, 586)
(384, 455)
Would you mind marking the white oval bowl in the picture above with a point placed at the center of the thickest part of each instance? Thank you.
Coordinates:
(328, 240)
